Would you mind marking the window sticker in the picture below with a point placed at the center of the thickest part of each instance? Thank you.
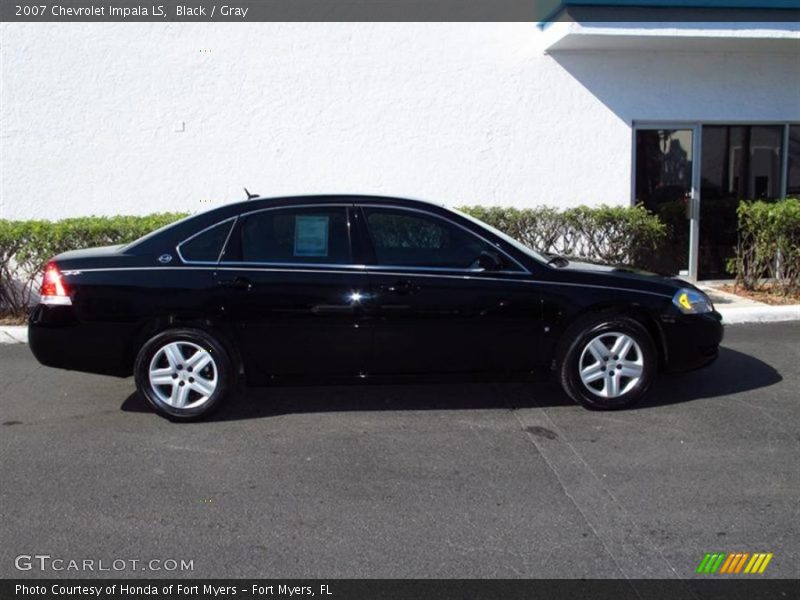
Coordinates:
(311, 236)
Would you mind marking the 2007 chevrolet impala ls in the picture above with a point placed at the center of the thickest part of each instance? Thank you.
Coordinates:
(270, 289)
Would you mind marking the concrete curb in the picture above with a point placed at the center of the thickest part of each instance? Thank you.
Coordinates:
(759, 314)
(18, 334)
(13, 334)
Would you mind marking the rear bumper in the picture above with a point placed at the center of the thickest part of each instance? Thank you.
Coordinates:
(691, 341)
(58, 339)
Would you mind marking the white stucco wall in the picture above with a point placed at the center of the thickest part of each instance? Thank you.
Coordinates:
(134, 118)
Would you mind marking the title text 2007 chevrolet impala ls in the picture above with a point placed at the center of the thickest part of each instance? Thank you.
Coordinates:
(362, 286)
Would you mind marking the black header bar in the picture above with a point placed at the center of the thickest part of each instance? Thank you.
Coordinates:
(532, 11)
(739, 588)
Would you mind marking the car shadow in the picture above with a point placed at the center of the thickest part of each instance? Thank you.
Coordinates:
(733, 372)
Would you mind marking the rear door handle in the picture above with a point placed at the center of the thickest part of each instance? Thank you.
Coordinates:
(332, 309)
(237, 283)
(401, 288)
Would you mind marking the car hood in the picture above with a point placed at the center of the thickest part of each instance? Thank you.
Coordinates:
(621, 274)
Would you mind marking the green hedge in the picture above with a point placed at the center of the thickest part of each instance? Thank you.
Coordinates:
(610, 233)
(26, 246)
(614, 234)
(769, 245)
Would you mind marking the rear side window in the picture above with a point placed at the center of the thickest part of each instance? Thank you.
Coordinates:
(296, 235)
(206, 246)
(409, 239)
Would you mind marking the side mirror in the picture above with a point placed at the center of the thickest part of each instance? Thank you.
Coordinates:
(489, 261)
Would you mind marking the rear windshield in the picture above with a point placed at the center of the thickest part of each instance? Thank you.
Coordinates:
(153, 234)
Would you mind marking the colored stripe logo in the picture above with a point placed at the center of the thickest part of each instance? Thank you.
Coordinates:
(734, 563)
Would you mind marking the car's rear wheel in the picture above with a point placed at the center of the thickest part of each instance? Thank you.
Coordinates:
(184, 373)
(607, 362)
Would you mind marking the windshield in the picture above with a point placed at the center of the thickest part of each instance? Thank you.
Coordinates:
(504, 236)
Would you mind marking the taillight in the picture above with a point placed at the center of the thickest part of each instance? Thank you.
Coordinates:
(54, 290)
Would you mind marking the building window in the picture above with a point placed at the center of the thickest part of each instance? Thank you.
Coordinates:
(733, 163)
(738, 162)
(793, 170)
(741, 162)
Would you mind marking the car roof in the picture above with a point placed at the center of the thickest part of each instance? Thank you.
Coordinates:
(185, 227)
(265, 202)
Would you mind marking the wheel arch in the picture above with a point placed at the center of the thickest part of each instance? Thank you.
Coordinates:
(633, 311)
(157, 325)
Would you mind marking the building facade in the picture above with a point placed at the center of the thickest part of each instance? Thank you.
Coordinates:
(685, 117)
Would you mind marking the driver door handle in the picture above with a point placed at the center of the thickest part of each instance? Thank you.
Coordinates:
(237, 283)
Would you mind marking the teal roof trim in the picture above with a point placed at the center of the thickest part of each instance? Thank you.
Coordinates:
(553, 7)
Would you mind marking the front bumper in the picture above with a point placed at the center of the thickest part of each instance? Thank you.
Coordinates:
(691, 341)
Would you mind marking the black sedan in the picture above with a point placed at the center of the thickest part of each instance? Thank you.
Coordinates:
(274, 289)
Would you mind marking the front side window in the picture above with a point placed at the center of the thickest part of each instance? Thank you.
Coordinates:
(410, 239)
(296, 235)
(206, 246)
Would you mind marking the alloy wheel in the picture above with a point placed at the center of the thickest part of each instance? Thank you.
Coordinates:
(611, 364)
(183, 375)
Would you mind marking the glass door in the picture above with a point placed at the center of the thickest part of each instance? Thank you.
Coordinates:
(666, 184)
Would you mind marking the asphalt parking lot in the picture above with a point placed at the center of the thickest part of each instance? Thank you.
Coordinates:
(503, 479)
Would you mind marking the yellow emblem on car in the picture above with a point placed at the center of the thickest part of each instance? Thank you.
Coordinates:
(684, 300)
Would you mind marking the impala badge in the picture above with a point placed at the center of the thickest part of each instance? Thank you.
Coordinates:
(165, 258)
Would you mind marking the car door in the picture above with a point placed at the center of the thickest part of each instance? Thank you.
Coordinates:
(291, 294)
(436, 307)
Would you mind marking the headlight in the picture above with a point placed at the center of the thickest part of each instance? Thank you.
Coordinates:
(692, 302)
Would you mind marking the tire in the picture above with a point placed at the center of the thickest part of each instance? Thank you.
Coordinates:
(593, 349)
(184, 374)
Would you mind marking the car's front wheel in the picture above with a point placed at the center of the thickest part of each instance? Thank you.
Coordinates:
(607, 363)
(183, 373)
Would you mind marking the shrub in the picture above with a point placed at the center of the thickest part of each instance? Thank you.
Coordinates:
(768, 246)
(614, 234)
(26, 246)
